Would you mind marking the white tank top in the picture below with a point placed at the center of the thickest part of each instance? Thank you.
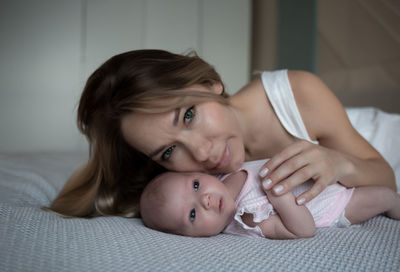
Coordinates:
(280, 94)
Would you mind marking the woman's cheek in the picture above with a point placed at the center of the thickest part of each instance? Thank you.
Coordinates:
(238, 155)
(183, 162)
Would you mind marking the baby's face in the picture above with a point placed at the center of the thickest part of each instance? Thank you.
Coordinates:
(198, 204)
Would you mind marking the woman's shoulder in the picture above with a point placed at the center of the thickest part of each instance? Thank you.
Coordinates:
(305, 85)
(320, 109)
(300, 82)
(308, 89)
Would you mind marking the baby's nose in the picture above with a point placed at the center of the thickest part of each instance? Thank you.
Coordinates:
(206, 201)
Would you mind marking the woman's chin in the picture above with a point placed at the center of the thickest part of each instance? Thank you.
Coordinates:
(236, 163)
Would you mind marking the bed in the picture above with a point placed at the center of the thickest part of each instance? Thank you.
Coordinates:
(32, 239)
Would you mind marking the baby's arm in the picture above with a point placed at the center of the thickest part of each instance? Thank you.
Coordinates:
(296, 218)
(292, 221)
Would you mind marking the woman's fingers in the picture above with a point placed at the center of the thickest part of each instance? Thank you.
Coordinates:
(284, 165)
(315, 190)
(281, 157)
(289, 174)
(295, 165)
(298, 177)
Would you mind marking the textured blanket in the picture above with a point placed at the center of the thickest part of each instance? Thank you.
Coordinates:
(35, 240)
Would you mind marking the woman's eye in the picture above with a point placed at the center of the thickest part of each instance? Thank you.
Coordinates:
(167, 154)
(192, 215)
(196, 185)
(189, 115)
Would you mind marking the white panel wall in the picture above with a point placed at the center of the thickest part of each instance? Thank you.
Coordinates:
(225, 40)
(39, 74)
(172, 24)
(112, 27)
(49, 47)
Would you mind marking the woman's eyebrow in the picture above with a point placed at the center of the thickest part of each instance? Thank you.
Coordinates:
(176, 117)
(174, 123)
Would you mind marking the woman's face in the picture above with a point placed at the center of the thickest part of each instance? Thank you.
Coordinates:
(205, 137)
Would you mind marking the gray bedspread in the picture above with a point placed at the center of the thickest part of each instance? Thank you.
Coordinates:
(35, 240)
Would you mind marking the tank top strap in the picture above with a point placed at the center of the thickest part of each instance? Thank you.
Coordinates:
(280, 94)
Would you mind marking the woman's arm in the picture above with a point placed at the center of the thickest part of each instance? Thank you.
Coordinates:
(292, 221)
(343, 154)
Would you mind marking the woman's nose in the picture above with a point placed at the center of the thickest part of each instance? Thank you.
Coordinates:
(200, 148)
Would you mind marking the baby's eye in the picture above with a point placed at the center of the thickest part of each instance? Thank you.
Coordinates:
(189, 115)
(196, 185)
(167, 154)
(192, 215)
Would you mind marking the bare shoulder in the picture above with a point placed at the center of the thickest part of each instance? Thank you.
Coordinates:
(318, 106)
(324, 116)
(309, 88)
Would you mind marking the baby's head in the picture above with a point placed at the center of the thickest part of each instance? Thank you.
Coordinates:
(189, 204)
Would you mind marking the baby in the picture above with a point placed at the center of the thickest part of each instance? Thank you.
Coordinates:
(198, 204)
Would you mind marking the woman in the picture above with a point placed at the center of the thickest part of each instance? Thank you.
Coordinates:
(149, 110)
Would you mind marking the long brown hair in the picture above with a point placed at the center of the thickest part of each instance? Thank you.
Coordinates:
(115, 175)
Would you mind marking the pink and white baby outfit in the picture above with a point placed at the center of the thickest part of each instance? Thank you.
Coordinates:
(327, 208)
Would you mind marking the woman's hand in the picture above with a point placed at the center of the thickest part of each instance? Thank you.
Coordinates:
(298, 163)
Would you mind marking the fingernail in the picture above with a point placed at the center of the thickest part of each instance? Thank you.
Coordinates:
(278, 188)
(263, 173)
(266, 183)
(301, 201)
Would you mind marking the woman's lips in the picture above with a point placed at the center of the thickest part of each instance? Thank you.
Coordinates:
(223, 162)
